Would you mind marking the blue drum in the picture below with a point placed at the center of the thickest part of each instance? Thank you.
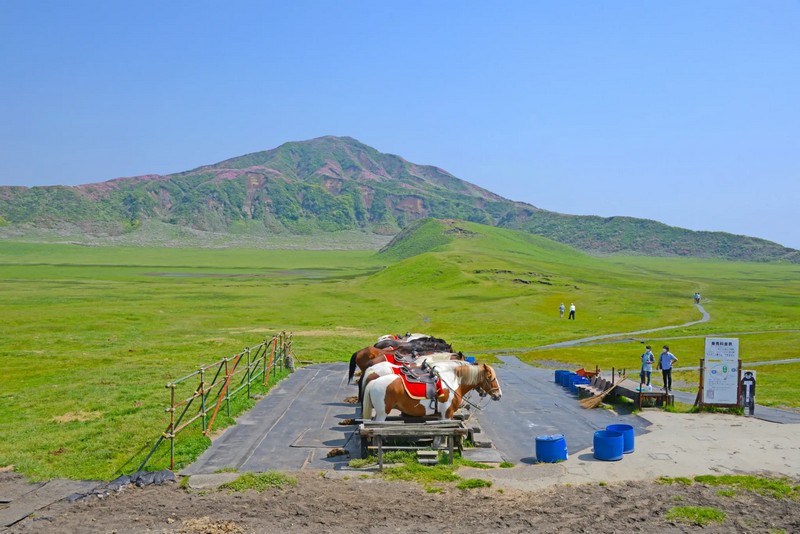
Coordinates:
(551, 449)
(627, 436)
(608, 445)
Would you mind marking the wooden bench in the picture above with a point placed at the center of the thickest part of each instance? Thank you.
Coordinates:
(378, 431)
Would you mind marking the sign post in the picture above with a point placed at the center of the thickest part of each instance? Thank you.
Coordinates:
(720, 373)
(748, 401)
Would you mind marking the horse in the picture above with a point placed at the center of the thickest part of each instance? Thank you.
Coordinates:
(403, 337)
(388, 392)
(381, 366)
(415, 340)
(361, 358)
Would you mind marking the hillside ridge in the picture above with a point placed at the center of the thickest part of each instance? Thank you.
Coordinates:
(331, 184)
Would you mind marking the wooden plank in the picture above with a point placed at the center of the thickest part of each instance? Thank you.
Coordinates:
(402, 432)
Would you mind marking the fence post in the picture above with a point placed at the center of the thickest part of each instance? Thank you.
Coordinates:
(227, 391)
(283, 351)
(203, 396)
(171, 426)
(248, 371)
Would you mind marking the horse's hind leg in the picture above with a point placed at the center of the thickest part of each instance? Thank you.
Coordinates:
(379, 403)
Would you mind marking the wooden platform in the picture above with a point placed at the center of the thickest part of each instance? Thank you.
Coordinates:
(377, 432)
(630, 389)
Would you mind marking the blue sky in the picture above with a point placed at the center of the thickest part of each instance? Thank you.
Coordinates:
(687, 112)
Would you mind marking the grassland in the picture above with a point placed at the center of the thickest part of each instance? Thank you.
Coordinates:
(90, 335)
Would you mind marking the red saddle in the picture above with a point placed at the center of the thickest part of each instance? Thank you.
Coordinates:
(426, 386)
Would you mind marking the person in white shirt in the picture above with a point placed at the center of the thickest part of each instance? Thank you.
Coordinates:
(571, 311)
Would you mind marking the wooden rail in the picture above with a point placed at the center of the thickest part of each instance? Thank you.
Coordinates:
(231, 375)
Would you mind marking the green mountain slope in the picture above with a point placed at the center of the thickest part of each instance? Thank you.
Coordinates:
(507, 285)
(337, 183)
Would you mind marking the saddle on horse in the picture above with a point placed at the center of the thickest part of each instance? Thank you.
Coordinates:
(421, 382)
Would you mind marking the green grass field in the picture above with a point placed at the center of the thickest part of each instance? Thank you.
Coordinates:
(91, 335)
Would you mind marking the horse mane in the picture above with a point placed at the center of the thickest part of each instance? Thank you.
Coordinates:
(434, 355)
(470, 375)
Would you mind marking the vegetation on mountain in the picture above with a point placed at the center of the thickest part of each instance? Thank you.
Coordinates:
(333, 184)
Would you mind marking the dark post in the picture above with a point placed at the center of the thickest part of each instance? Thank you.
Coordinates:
(748, 388)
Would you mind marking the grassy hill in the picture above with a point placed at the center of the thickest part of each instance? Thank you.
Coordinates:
(331, 185)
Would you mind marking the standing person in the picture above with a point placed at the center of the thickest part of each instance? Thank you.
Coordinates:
(561, 310)
(572, 311)
(647, 369)
(665, 361)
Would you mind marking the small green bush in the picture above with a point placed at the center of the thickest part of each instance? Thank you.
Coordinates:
(696, 515)
(778, 488)
(260, 481)
(472, 483)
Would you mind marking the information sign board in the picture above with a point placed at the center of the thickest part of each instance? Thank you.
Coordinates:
(720, 371)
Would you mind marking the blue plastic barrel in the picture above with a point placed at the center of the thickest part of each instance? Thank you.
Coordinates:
(559, 374)
(565, 379)
(551, 449)
(470, 359)
(576, 381)
(627, 436)
(608, 445)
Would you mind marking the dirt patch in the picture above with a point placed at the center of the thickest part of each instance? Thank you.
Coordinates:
(338, 331)
(206, 525)
(358, 504)
(81, 417)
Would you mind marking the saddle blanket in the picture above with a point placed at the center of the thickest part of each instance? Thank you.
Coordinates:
(419, 390)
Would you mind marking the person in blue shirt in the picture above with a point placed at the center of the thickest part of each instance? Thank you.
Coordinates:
(647, 368)
(665, 361)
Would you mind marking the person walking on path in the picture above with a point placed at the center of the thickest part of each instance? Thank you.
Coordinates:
(572, 311)
(665, 361)
(647, 369)
(561, 310)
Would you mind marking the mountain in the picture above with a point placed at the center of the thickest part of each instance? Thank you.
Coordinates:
(337, 183)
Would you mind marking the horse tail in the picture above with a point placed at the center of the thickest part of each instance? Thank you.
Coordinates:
(352, 367)
(360, 386)
(366, 403)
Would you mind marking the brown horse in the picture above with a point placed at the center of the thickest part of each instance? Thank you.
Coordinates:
(388, 392)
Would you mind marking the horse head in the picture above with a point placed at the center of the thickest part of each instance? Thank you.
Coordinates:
(489, 385)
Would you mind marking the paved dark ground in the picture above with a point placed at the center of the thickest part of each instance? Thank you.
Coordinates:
(296, 425)
(533, 404)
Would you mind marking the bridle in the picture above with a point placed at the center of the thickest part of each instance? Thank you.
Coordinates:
(486, 386)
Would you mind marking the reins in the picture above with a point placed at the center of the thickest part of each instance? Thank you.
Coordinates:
(463, 397)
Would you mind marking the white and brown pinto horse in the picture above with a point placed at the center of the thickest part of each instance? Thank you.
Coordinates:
(386, 393)
(436, 360)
